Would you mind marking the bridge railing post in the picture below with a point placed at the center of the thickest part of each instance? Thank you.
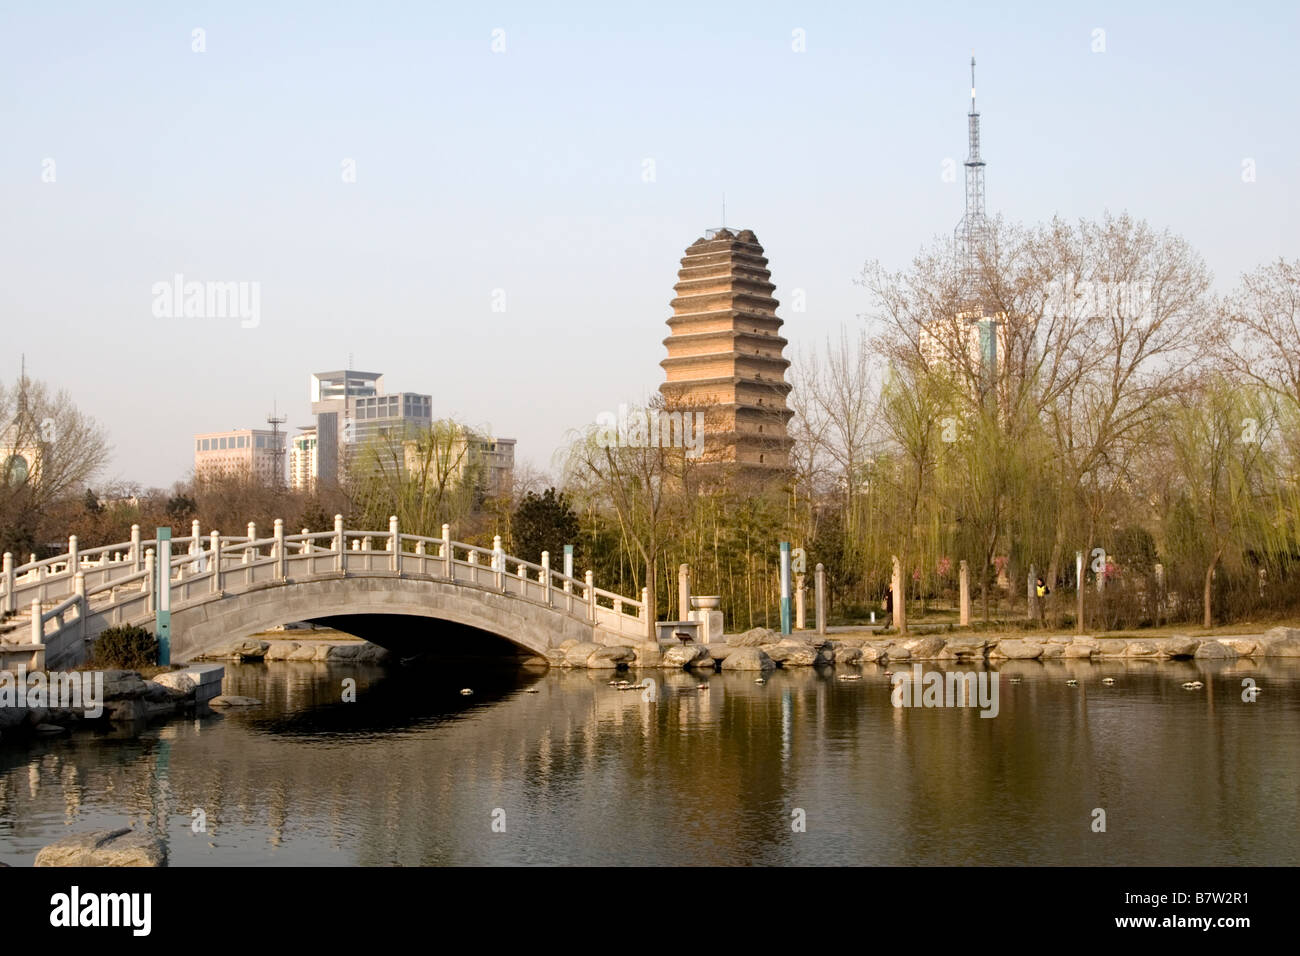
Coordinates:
(38, 627)
(151, 594)
(445, 551)
(9, 583)
(340, 544)
(306, 547)
(250, 552)
(591, 597)
(546, 578)
(394, 544)
(196, 547)
(74, 558)
(135, 555)
(79, 588)
(280, 565)
(499, 563)
(214, 559)
(645, 603)
(420, 552)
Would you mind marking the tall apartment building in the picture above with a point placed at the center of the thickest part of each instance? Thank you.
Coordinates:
(725, 351)
(303, 461)
(242, 452)
(351, 408)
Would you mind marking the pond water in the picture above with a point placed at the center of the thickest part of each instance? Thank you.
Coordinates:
(558, 767)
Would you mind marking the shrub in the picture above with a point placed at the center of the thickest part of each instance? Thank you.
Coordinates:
(126, 646)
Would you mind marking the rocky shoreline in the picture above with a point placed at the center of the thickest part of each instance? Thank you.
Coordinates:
(763, 649)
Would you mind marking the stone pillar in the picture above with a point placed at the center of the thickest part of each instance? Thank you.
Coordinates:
(74, 560)
(819, 599)
(395, 544)
(214, 559)
(499, 562)
(38, 629)
(340, 544)
(151, 601)
(10, 582)
(683, 592)
(591, 597)
(964, 594)
(799, 622)
(896, 583)
(79, 589)
(136, 555)
(446, 551)
(546, 578)
(278, 530)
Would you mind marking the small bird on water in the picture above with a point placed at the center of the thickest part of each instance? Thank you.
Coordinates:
(1108, 680)
(1071, 683)
(1192, 685)
(465, 692)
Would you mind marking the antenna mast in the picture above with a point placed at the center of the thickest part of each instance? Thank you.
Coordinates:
(972, 231)
(277, 448)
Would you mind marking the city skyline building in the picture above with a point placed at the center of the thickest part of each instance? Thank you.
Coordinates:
(239, 452)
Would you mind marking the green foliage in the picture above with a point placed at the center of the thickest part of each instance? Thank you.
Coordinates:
(125, 646)
(544, 522)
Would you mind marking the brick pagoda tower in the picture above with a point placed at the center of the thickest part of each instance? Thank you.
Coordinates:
(724, 352)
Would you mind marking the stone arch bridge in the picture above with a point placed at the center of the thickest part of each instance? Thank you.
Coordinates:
(225, 587)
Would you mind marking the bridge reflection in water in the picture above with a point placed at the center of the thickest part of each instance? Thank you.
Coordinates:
(412, 772)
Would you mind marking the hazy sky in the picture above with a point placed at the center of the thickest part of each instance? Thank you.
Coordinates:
(525, 171)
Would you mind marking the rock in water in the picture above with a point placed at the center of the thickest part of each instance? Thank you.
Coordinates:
(233, 700)
(122, 847)
(684, 655)
(576, 654)
(754, 637)
(1017, 650)
(1214, 651)
(1180, 646)
(747, 659)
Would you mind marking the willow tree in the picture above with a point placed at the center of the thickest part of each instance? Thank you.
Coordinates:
(1223, 441)
(427, 477)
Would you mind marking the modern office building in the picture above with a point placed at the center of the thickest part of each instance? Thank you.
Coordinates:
(351, 408)
(725, 352)
(243, 452)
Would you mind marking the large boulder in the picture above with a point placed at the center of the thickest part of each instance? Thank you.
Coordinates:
(1214, 651)
(898, 652)
(280, 650)
(1053, 651)
(339, 652)
(963, 649)
(609, 658)
(1181, 646)
(304, 652)
(575, 655)
(122, 847)
(747, 659)
(792, 653)
(565, 645)
(754, 637)
(872, 654)
(555, 656)
(1079, 651)
(848, 655)
(684, 655)
(123, 685)
(925, 648)
(1244, 646)
(1141, 649)
(1112, 647)
(1017, 650)
(249, 650)
(1281, 642)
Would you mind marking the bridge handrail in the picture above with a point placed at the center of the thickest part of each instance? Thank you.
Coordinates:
(191, 549)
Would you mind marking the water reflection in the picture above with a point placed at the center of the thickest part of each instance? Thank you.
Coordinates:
(580, 772)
